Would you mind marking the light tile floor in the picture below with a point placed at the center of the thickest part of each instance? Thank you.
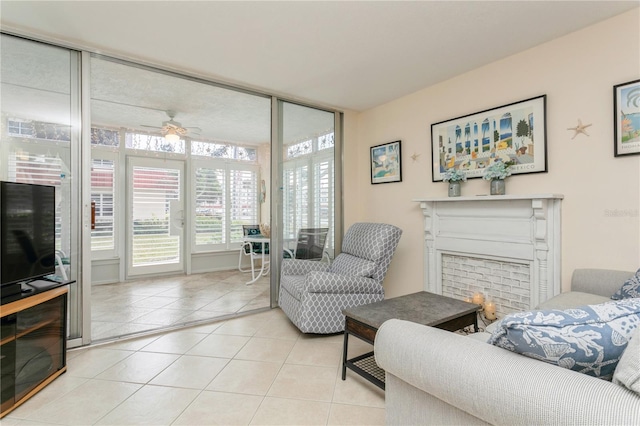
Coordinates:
(131, 307)
(252, 370)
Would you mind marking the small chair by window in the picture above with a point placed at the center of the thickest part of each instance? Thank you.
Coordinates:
(310, 244)
(254, 250)
(62, 264)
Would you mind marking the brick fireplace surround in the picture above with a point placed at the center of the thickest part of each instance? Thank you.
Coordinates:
(507, 247)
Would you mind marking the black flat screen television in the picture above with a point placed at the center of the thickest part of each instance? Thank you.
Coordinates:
(27, 232)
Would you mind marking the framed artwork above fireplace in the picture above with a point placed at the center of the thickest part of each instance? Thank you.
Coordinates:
(513, 133)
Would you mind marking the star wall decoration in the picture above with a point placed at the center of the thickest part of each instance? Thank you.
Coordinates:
(580, 128)
(415, 156)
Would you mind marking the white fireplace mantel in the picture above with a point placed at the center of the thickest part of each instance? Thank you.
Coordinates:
(524, 229)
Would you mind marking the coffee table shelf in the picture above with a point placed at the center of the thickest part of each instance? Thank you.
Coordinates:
(366, 366)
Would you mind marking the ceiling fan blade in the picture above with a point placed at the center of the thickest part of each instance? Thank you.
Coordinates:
(172, 126)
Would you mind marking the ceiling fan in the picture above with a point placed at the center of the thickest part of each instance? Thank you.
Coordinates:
(171, 129)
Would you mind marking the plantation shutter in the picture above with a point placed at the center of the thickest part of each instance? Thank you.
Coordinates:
(243, 197)
(296, 198)
(308, 194)
(288, 201)
(103, 194)
(224, 197)
(153, 191)
(210, 206)
(323, 195)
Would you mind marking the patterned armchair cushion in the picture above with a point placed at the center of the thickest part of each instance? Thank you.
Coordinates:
(627, 372)
(630, 288)
(301, 266)
(329, 282)
(295, 285)
(346, 264)
(372, 241)
(589, 339)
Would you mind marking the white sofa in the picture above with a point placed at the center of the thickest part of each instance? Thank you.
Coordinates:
(438, 377)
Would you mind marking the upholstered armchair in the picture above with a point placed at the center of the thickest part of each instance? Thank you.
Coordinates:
(313, 294)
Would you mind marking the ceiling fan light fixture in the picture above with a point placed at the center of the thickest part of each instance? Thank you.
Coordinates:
(172, 136)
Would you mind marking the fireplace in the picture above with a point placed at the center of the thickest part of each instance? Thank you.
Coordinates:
(507, 247)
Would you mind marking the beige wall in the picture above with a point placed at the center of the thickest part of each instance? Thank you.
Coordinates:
(577, 73)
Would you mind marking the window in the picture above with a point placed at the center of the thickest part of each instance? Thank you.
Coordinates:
(153, 191)
(103, 194)
(42, 169)
(296, 197)
(210, 200)
(20, 128)
(104, 146)
(105, 137)
(226, 197)
(37, 129)
(300, 148)
(309, 186)
(243, 197)
(323, 192)
(222, 150)
(146, 142)
(326, 141)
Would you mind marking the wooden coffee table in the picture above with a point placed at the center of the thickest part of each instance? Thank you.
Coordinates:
(423, 308)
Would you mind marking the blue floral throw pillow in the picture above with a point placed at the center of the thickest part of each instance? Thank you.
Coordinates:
(589, 339)
(630, 288)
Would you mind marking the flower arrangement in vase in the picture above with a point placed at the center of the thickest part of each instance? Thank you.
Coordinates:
(496, 173)
(454, 177)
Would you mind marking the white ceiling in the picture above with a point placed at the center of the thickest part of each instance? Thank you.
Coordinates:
(347, 55)
(36, 86)
(339, 55)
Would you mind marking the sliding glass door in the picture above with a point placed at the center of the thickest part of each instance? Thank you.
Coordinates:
(40, 142)
(178, 166)
(307, 164)
(169, 167)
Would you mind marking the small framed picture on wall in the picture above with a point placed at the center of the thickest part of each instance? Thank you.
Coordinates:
(386, 164)
(626, 118)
